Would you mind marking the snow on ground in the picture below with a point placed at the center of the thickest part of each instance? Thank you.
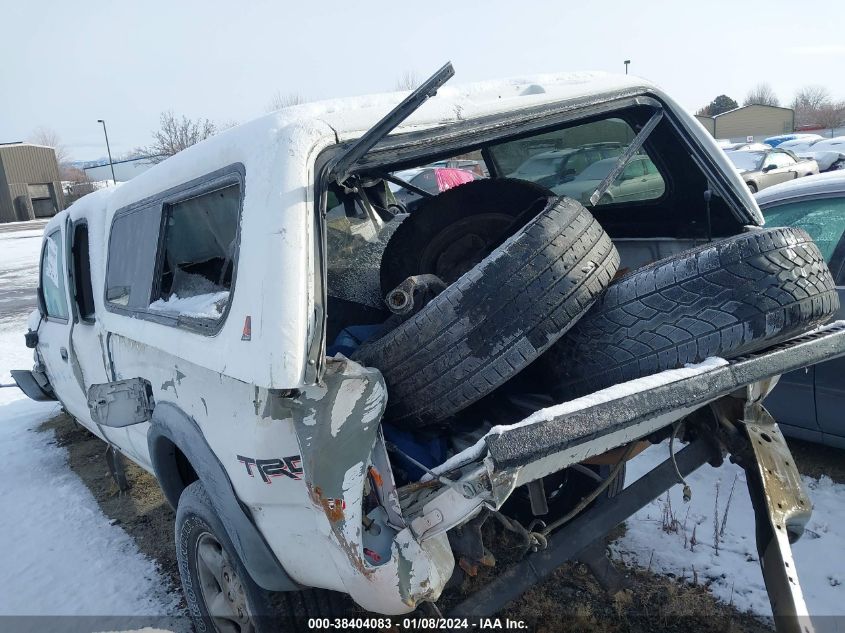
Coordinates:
(733, 573)
(61, 556)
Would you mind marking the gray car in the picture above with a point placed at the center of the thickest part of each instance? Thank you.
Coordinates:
(640, 180)
(809, 403)
(764, 168)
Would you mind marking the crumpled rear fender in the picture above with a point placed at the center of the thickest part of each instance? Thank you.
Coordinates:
(337, 425)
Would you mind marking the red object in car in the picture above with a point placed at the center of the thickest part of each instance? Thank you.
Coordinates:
(448, 177)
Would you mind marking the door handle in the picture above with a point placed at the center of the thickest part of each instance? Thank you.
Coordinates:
(63, 353)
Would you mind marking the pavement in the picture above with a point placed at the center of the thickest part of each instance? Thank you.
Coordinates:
(18, 275)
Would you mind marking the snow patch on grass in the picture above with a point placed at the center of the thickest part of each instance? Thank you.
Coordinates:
(723, 554)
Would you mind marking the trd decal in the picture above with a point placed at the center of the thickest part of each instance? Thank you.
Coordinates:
(267, 468)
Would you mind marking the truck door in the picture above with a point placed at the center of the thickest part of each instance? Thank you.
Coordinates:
(54, 331)
(830, 376)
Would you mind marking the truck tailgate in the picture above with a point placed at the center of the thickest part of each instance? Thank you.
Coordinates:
(643, 412)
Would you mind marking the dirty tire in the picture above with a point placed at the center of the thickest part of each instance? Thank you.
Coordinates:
(488, 206)
(496, 319)
(270, 611)
(723, 299)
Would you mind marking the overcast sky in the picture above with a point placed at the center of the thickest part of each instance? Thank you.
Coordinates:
(63, 65)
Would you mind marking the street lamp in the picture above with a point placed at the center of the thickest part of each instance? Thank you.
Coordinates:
(627, 61)
(108, 149)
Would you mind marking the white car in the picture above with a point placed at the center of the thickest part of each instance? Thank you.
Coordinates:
(320, 436)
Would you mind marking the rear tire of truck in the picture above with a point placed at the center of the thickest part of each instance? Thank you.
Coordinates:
(726, 299)
(496, 319)
(219, 592)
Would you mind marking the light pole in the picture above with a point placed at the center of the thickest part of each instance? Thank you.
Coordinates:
(108, 149)
(627, 61)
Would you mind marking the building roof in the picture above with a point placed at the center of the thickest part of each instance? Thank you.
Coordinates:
(753, 105)
(24, 144)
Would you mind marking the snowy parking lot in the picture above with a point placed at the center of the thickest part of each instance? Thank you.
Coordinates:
(67, 558)
(62, 555)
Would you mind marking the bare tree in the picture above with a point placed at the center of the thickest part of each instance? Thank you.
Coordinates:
(811, 98)
(49, 137)
(761, 94)
(814, 105)
(176, 134)
(408, 80)
(280, 101)
(830, 115)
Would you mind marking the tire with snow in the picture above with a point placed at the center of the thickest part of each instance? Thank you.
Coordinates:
(726, 299)
(219, 592)
(495, 319)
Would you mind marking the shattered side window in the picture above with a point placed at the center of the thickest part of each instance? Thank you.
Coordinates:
(356, 237)
(198, 258)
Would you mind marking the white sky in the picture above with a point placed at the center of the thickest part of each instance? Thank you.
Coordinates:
(67, 64)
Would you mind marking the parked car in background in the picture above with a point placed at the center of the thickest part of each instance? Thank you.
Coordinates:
(640, 180)
(835, 143)
(776, 141)
(808, 403)
(761, 169)
(558, 166)
(432, 180)
(733, 147)
(829, 153)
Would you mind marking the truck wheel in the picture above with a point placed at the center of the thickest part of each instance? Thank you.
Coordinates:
(725, 299)
(450, 233)
(495, 319)
(220, 594)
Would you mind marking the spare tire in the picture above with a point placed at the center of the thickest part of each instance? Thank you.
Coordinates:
(451, 232)
(726, 299)
(495, 319)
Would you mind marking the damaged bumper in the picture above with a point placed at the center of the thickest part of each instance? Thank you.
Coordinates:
(390, 545)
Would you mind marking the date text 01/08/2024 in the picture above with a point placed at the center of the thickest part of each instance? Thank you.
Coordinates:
(416, 623)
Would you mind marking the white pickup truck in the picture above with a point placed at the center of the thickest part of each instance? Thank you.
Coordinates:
(335, 394)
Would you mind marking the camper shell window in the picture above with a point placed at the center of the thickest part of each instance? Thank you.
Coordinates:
(173, 257)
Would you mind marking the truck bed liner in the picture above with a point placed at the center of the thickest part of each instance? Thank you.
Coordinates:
(526, 443)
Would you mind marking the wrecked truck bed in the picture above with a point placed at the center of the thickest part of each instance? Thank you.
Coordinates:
(480, 478)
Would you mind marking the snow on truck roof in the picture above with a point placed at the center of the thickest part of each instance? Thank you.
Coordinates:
(297, 129)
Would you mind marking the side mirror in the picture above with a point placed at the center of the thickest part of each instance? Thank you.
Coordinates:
(769, 168)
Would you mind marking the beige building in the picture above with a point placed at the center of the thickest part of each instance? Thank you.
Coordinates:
(758, 121)
(30, 186)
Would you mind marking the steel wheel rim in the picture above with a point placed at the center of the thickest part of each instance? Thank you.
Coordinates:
(221, 587)
(463, 244)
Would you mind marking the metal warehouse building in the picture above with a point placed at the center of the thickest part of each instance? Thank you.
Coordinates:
(758, 121)
(30, 186)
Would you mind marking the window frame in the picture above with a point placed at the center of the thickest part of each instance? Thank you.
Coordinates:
(629, 120)
(234, 174)
(74, 275)
(42, 298)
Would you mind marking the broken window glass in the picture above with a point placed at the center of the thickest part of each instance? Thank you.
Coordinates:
(198, 258)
